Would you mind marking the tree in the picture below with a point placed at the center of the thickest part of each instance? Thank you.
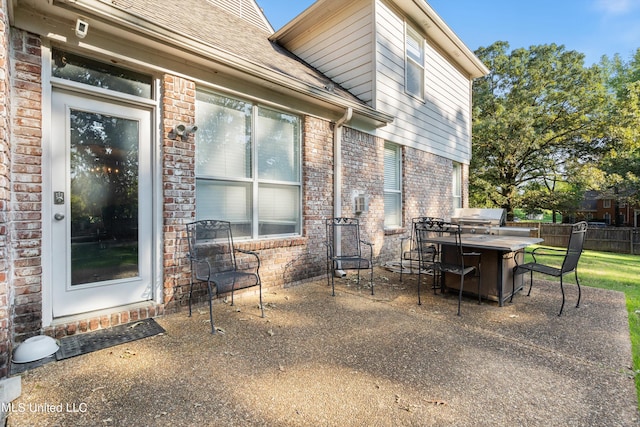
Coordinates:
(538, 109)
(621, 164)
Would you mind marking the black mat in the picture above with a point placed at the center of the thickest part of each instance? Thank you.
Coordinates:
(76, 345)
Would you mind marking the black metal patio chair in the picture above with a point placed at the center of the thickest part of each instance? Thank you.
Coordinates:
(409, 255)
(440, 251)
(570, 257)
(345, 249)
(216, 262)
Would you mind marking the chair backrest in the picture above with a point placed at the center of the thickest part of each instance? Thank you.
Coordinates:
(420, 220)
(212, 241)
(432, 232)
(344, 236)
(574, 248)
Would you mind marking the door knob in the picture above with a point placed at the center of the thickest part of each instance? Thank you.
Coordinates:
(58, 217)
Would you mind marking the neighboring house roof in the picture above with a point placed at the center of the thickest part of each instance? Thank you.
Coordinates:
(231, 32)
(419, 11)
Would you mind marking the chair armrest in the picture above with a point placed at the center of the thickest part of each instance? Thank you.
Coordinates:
(246, 252)
(198, 261)
(370, 248)
(547, 251)
(558, 251)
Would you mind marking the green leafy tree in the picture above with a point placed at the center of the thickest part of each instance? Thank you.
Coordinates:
(539, 109)
(621, 164)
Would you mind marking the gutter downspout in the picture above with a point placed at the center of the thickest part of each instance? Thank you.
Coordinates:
(337, 178)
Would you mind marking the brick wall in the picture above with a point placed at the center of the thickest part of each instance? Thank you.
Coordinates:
(26, 185)
(178, 186)
(426, 191)
(363, 173)
(5, 182)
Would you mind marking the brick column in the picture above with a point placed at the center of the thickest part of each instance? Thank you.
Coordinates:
(26, 185)
(178, 186)
(5, 182)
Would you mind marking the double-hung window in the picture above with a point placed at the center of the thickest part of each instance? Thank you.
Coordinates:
(248, 166)
(414, 63)
(392, 185)
(456, 185)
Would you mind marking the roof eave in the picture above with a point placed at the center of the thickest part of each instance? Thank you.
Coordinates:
(419, 11)
(243, 66)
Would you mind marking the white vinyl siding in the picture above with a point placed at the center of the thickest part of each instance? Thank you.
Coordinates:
(441, 123)
(342, 49)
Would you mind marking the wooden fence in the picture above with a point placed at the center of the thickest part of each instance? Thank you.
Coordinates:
(625, 240)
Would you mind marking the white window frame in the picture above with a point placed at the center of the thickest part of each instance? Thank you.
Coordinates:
(414, 60)
(393, 189)
(456, 185)
(254, 181)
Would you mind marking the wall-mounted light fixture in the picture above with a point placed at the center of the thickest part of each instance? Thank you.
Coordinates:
(82, 27)
(182, 131)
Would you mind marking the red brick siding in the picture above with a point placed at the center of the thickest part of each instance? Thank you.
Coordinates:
(5, 194)
(26, 185)
(363, 173)
(178, 186)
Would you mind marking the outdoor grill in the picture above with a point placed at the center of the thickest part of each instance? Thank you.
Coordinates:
(486, 221)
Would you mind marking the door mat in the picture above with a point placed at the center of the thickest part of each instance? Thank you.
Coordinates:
(76, 345)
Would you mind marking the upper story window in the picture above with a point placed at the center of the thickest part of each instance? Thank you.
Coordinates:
(79, 69)
(414, 63)
(392, 185)
(606, 203)
(248, 166)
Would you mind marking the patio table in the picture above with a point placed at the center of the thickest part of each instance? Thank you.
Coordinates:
(499, 255)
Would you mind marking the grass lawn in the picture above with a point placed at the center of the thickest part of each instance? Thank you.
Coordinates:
(617, 272)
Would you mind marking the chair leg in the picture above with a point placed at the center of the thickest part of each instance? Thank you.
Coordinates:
(419, 280)
(213, 328)
(562, 289)
(371, 277)
(530, 282)
(260, 295)
(190, 295)
(333, 287)
(579, 291)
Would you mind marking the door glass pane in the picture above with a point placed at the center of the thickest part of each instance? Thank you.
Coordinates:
(104, 197)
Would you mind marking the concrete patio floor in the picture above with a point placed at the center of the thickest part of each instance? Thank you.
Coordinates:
(356, 360)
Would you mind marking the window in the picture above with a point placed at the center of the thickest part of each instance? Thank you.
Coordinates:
(392, 185)
(606, 203)
(456, 185)
(248, 166)
(79, 69)
(414, 63)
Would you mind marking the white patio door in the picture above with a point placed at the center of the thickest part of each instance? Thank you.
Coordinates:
(101, 225)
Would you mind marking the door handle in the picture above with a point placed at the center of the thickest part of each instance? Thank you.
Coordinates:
(58, 217)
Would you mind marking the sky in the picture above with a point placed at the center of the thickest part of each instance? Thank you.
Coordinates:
(592, 27)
